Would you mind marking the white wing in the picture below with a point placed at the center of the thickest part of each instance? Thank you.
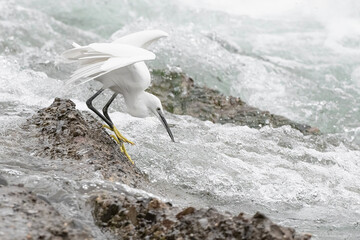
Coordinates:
(98, 59)
(141, 39)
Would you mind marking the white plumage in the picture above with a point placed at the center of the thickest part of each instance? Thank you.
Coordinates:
(120, 67)
(98, 59)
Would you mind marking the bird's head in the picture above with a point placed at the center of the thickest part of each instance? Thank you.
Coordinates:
(154, 106)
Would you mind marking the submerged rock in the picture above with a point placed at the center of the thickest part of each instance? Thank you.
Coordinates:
(3, 181)
(65, 133)
(149, 218)
(24, 215)
(179, 95)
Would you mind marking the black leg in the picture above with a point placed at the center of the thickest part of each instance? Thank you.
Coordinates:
(106, 107)
(89, 104)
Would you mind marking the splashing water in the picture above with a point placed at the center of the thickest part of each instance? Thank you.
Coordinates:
(301, 61)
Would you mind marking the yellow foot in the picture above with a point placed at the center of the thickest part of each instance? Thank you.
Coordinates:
(122, 146)
(118, 134)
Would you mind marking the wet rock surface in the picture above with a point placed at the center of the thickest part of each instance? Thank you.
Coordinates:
(65, 133)
(179, 95)
(148, 218)
(24, 215)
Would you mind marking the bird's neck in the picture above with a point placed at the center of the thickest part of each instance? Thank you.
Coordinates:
(136, 104)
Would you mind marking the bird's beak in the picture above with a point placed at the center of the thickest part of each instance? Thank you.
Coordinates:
(164, 122)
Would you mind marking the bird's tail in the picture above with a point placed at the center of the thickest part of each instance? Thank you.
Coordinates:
(74, 53)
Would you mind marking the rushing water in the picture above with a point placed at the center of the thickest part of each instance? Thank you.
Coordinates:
(299, 59)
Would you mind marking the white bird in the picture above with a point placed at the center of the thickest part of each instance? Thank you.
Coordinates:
(120, 67)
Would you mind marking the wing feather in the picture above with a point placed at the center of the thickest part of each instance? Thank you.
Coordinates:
(85, 72)
(75, 53)
(121, 50)
(98, 59)
(142, 39)
(119, 62)
(88, 61)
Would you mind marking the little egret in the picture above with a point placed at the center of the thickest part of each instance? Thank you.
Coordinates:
(120, 67)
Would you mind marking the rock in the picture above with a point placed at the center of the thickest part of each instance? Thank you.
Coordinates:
(187, 98)
(3, 181)
(25, 216)
(185, 212)
(65, 133)
(128, 218)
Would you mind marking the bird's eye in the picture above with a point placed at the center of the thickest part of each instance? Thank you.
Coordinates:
(158, 109)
